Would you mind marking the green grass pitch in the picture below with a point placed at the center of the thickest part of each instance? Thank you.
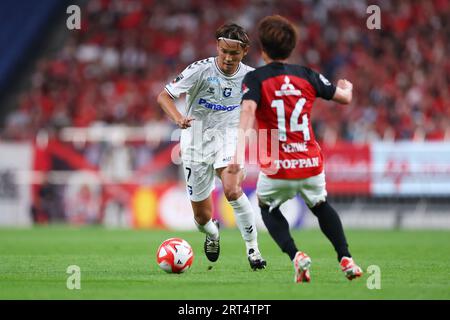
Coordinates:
(121, 264)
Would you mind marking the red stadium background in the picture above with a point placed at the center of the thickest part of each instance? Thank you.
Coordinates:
(96, 148)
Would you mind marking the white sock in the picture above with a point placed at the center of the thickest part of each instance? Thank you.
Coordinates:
(209, 228)
(245, 220)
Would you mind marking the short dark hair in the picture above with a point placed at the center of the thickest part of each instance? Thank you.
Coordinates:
(277, 37)
(235, 32)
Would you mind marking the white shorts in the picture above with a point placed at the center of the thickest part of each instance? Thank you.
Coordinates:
(212, 147)
(200, 166)
(274, 192)
(200, 178)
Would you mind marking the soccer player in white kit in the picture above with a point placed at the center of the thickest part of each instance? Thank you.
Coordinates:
(208, 141)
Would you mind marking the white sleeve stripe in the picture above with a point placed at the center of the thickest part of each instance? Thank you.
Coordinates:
(170, 93)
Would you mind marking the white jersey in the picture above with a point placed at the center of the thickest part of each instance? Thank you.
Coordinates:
(213, 100)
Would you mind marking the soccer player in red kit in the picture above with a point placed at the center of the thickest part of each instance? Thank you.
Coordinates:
(280, 96)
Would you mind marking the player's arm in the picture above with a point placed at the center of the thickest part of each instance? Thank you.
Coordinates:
(167, 103)
(247, 118)
(246, 121)
(344, 92)
(341, 93)
(184, 83)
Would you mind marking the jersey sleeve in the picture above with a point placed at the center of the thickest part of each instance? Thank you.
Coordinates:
(185, 81)
(324, 88)
(251, 88)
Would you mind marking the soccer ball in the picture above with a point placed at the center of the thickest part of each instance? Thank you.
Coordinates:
(175, 255)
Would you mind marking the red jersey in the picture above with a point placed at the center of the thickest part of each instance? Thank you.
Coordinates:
(285, 95)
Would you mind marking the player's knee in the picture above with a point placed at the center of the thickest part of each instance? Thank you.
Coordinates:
(202, 216)
(232, 193)
(201, 220)
(316, 202)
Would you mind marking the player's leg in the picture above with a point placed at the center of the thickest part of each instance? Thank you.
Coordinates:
(314, 193)
(203, 220)
(331, 226)
(245, 216)
(271, 194)
(243, 210)
(200, 183)
(203, 216)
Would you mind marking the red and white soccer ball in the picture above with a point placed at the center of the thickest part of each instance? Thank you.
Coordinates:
(175, 255)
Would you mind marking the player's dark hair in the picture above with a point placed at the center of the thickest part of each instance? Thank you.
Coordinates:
(277, 37)
(235, 32)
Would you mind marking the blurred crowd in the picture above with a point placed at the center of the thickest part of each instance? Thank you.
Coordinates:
(111, 71)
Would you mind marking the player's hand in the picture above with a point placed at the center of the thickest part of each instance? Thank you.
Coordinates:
(233, 168)
(184, 122)
(344, 84)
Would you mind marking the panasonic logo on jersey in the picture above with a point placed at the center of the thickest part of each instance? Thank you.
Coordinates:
(217, 107)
